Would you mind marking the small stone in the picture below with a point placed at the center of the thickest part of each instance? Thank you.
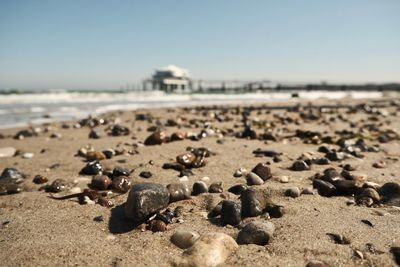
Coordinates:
(39, 179)
(95, 155)
(339, 239)
(263, 171)
(199, 187)
(324, 188)
(216, 211)
(92, 168)
(346, 187)
(109, 153)
(100, 182)
(258, 232)
(300, 165)
(87, 201)
(186, 159)
(215, 188)
(396, 254)
(11, 175)
(390, 190)
(7, 152)
(231, 212)
(254, 201)
(121, 184)
(205, 179)
(57, 186)
(237, 189)
(158, 226)
(108, 203)
(284, 179)
(119, 130)
(178, 192)
(178, 136)
(240, 172)
(145, 174)
(293, 192)
(307, 191)
(144, 200)
(119, 171)
(27, 155)
(254, 179)
(379, 165)
(55, 136)
(184, 239)
(98, 218)
(94, 134)
(184, 179)
(275, 211)
(211, 250)
(156, 138)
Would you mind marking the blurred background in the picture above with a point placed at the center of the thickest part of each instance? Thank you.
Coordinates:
(67, 59)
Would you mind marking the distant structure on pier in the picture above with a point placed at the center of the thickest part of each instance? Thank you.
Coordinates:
(169, 79)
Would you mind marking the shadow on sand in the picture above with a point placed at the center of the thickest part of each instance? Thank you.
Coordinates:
(118, 223)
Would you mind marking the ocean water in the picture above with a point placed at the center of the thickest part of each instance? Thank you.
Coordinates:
(29, 109)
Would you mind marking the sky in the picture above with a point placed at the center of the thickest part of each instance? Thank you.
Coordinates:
(99, 44)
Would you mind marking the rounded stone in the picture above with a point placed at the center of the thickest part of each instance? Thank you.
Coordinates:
(184, 239)
(57, 186)
(231, 212)
(7, 152)
(254, 202)
(100, 182)
(144, 200)
(390, 190)
(263, 171)
(254, 179)
(300, 165)
(156, 138)
(92, 168)
(324, 188)
(237, 189)
(215, 188)
(178, 191)
(293, 192)
(199, 187)
(258, 233)
(121, 184)
(186, 159)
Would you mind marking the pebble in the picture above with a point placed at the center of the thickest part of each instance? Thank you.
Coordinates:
(210, 250)
(240, 172)
(39, 179)
(95, 155)
(184, 238)
(186, 159)
(7, 152)
(346, 187)
(307, 191)
(263, 171)
(389, 190)
(145, 174)
(216, 211)
(87, 201)
(205, 179)
(199, 187)
(237, 189)
(11, 175)
(109, 153)
(284, 179)
(119, 130)
(56, 186)
(231, 212)
(100, 182)
(258, 232)
(121, 184)
(156, 138)
(396, 254)
(178, 191)
(184, 179)
(144, 200)
(300, 165)
(324, 188)
(379, 165)
(119, 171)
(158, 226)
(293, 192)
(254, 179)
(254, 201)
(275, 211)
(178, 136)
(94, 134)
(92, 168)
(215, 188)
(27, 155)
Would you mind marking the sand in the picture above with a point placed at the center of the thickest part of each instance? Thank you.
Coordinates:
(36, 230)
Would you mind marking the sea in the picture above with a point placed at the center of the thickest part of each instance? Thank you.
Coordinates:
(23, 109)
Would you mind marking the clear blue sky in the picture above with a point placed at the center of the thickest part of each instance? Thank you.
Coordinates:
(106, 44)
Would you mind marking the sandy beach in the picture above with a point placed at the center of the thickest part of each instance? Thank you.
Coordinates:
(37, 230)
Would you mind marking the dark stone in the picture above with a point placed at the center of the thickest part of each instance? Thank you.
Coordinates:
(94, 134)
(389, 190)
(145, 200)
(254, 202)
(186, 159)
(231, 212)
(109, 153)
(178, 192)
(199, 187)
(92, 168)
(258, 232)
(324, 188)
(119, 130)
(396, 254)
(215, 188)
(121, 184)
(145, 174)
(39, 179)
(237, 189)
(100, 182)
(346, 187)
(119, 171)
(174, 166)
(11, 175)
(263, 171)
(156, 138)
(275, 211)
(56, 186)
(300, 165)
(216, 211)
(266, 152)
